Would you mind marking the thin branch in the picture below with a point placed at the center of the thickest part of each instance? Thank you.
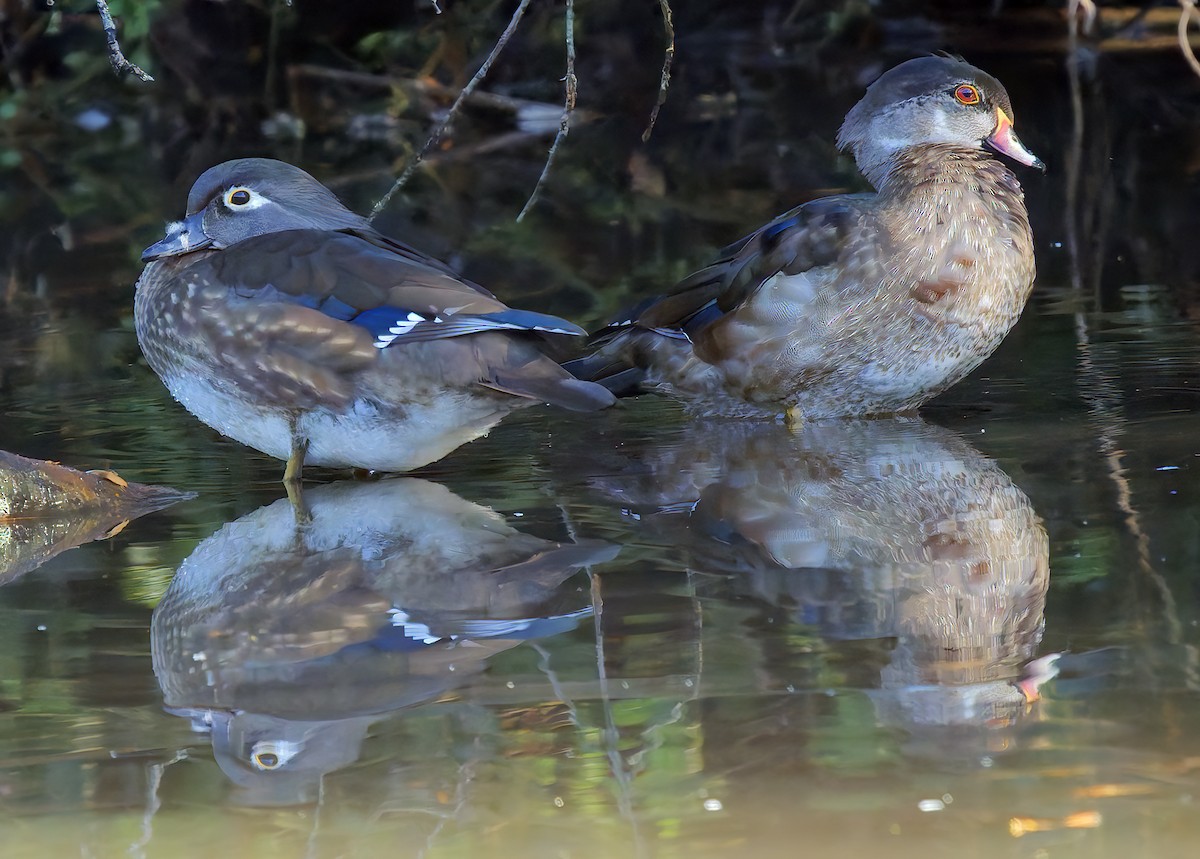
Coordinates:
(1187, 13)
(121, 66)
(668, 59)
(270, 83)
(1104, 406)
(315, 829)
(611, 734)
(1090, 13)
(462, 96)
(153, 801)
(1075, 152)
(418, 86)
(564, 125)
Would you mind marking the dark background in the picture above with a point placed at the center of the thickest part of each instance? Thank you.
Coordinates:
(92, 165)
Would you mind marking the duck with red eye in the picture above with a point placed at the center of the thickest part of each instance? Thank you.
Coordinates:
(977, 109)
(855, 304)
(1002, 138)
(967, 94)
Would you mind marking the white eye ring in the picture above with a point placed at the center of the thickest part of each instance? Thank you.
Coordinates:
(240, 198)
(270, 755)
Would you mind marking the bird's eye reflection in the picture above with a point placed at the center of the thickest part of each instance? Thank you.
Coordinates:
(269, 755)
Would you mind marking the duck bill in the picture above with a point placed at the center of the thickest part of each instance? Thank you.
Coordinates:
(1005, 141)
(182, 237)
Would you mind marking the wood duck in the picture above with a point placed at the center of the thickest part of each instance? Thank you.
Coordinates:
(855, 304)
(285, 321)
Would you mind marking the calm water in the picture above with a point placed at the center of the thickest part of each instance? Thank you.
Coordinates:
(630, 634)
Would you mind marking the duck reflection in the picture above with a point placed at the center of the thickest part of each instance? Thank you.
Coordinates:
(894, 531)
(286, 642)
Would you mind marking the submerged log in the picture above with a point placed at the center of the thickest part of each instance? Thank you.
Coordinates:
(47, 508)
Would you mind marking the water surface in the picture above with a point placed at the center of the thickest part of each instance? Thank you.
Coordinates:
(634, 634)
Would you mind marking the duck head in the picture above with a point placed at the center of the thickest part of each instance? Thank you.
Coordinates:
(249, 197)
(930, 100)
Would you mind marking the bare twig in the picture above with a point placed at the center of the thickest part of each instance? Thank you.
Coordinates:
(1089, 10)
(1075, 153)
(120, 65)
(1187, 14)
(1105, 408)
(419, 86)
(462, 96)
(564, 125)
(153, 802)
(612, 735)
(270, 85)
(668, 58)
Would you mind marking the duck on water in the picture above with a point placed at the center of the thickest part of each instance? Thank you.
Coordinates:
(856, 304)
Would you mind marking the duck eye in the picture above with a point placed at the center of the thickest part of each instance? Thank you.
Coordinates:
(238, 197)
(270, 755)
(266, 761)
(966, 94)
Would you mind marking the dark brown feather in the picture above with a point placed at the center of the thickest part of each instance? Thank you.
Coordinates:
(353, 268)
(517, 367)
(282, 353)
(808, 236)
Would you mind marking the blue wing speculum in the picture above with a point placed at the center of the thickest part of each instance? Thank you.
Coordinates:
(390, 325)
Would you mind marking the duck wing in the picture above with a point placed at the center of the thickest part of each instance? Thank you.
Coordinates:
(808, 237)
(307, 306)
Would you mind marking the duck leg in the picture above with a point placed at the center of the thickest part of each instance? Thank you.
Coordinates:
(295, 463)
(295, 493)
(292, 475)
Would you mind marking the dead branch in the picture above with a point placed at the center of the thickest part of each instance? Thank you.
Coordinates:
(1075, 152)
(116, 57)
(417, 86)
(564, 125)
(450, 115)
(1188, 13)
(668, 59)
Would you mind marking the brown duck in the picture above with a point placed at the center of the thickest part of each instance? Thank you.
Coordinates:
(285, 321)
(857, 304)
